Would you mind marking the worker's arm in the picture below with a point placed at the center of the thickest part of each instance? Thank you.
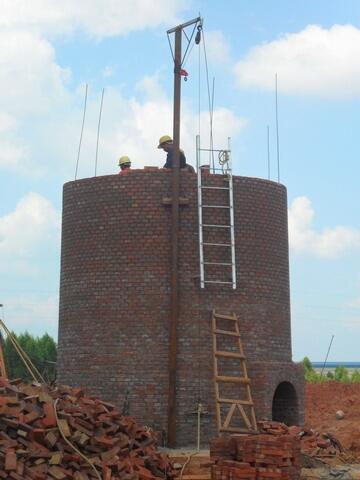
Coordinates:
(168, 163)
(182, 159)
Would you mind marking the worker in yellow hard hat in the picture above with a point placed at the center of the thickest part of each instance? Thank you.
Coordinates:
(166, 144)
(124, 164)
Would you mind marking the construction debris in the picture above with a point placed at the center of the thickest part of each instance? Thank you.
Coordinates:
(256, 457)
(277, 452)
(322, 446)
(59, 433)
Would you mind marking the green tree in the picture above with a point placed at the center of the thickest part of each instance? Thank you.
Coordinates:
(309, 372)
(341, 374)
(41, 350)
(355, 377)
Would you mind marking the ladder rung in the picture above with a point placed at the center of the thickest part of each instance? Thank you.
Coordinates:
(215, 188)
(215, 226)
(225, 317)
(226, 332)
(217, 244)
(237, 402)
(219, 281)
(237, 430)
(230, 355)
(215, 206)
(223, 378)
(217, 263)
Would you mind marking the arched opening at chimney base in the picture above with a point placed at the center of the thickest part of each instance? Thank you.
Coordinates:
(285, 406)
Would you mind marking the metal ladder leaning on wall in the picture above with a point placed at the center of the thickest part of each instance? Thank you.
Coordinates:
(225, 169)
(243, 403)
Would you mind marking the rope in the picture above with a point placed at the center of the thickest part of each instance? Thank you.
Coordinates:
(188, 460)
(87, 460)
(34, 372)
(82, 130)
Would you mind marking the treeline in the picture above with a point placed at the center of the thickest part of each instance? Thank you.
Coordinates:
(340, 374)
(41, 350)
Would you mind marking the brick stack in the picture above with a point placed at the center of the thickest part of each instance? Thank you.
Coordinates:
(34, 419)
(259, 457)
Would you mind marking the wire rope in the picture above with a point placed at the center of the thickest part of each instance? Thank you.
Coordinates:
(211, 156)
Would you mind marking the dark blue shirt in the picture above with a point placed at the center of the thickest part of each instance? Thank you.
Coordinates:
(169, 159)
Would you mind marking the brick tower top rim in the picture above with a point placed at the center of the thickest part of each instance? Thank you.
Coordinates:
(154, 172)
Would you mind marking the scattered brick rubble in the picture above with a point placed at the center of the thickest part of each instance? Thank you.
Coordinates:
(31, 445)
(276, 452)
(256, 457)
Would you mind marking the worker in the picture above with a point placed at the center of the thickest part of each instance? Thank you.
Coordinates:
(166, 144)
(124, 164)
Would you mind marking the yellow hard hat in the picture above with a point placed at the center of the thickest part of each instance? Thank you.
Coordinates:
(123, 160)
(164, 139)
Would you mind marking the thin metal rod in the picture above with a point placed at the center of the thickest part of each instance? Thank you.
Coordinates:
(212, 124)
(277, 128)
(174, 314)
(82, 131)
(98, 130)
(322, 370)
(268, 150)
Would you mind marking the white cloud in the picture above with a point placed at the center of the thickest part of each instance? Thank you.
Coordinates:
(33, 222)
(217, 47)
(33, 314)
(101, 18)
(29, 75)
(133, 126)
(314, 61)
(328, 243)
(355, 303)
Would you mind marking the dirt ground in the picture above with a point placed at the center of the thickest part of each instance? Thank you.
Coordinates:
(324, 400)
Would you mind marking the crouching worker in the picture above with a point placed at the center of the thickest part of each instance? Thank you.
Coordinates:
(124, 164)
(166, 144)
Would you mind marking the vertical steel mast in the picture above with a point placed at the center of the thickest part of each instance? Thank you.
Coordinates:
(174, 314)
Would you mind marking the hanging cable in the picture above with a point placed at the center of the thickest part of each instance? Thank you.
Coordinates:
(211, 157)
(199, 90)
(98, 130)
(82, 130)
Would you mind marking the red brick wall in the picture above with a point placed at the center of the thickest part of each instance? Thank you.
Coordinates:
(115, 294)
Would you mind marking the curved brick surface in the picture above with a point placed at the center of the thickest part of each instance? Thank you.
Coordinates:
(115, 293)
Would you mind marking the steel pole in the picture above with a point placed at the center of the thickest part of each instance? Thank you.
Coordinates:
(175, 246)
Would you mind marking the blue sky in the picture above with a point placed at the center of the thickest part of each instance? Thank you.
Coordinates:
(49, 50)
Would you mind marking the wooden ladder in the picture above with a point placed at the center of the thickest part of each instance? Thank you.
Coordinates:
(244, 406)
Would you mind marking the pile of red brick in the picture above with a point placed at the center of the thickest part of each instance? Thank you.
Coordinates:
(256, 457)
(313, 443)
(32, 445)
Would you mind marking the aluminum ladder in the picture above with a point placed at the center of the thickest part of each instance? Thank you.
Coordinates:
(226, 270)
